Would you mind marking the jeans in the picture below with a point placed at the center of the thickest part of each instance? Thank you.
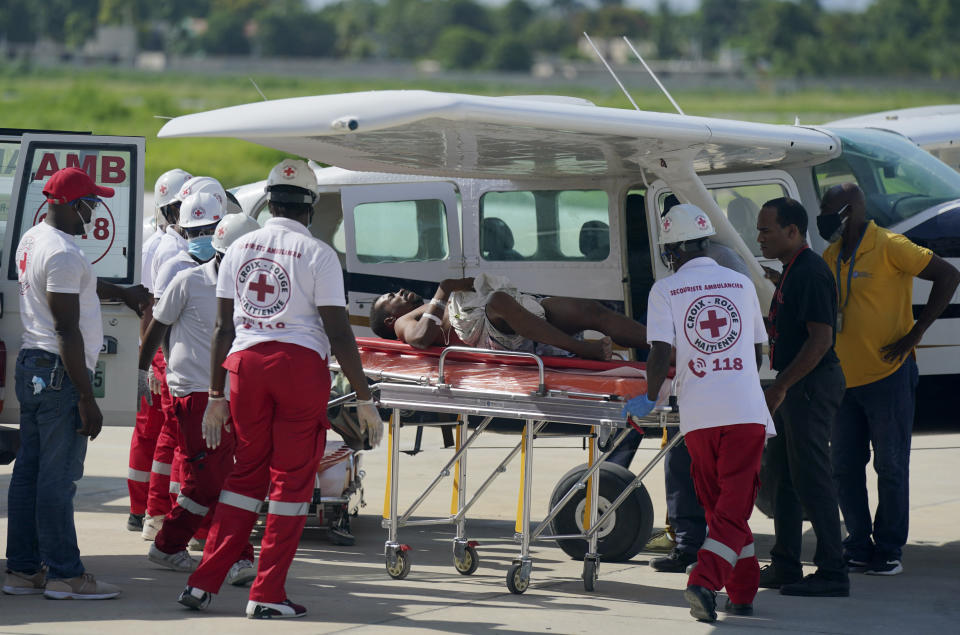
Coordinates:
(799, 469)
(879, 414)
(40, 528)
(684, 511)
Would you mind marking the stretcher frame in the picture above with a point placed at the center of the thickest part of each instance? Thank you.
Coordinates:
(599, 414)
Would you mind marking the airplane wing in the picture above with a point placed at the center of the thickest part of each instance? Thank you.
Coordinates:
(930, 127)
(446, 134)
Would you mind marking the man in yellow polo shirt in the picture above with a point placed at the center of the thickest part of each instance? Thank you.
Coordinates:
(876, 337)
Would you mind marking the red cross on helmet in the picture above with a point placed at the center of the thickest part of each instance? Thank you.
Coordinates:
(292, 173)
(232, 227)
(685, 222)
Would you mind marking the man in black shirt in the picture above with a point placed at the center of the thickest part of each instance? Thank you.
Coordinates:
(804, 400)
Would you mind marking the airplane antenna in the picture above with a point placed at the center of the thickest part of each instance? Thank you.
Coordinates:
(258, 89)
(654, 76)
(615, 78)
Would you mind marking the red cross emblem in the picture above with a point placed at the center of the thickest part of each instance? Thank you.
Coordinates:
(198, 213)
(221, 231)
(261, 288)
(713, 323)
(289, 172)
(666, 224)
(185, 192)
(163, 189)
(23, 263)
(701, 222)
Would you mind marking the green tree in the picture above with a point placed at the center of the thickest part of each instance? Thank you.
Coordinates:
(515, 16)
(225, 34)
(460, 47)
(510, 53)
(408, 29)
(723, 20)
(665, 32)
(18, 21)
(467, 13)
(296, 33)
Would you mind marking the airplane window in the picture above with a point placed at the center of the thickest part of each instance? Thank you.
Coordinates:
(8, 169)
(898, 178)
(401, 231)
(545, 225)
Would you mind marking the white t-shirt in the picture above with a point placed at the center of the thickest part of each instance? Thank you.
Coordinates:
(277, 277)
(712, 316)
(189, 307)
(167, 247)
(50, 260)
(146, 259)
(167, 270)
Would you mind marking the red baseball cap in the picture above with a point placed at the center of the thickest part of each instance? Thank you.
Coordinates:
(69, 184)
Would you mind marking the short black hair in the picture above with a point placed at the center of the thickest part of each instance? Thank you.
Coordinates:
(378, 318)
(286, 208)
(789, 212)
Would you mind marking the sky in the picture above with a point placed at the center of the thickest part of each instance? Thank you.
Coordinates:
(677, 5)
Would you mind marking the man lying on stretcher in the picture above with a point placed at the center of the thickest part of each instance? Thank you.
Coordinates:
(488, 312)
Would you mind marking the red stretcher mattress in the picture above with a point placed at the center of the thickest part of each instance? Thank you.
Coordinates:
(506, 374)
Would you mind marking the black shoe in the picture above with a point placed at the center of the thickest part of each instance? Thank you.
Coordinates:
(770, 578)
(815, 585)
(270, 610)
(703, 603)
(194, 598)
(737, 609)
(884, 566)
(135, 522)
(676, 562)
(855, 565)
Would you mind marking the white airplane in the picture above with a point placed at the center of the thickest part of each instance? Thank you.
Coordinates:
(433, 185)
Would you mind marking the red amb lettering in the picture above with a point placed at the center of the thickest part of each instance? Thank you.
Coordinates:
(112, 169)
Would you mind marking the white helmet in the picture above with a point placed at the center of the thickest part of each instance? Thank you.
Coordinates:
(206, 184)
(684, 222)
(200, 209)
(297, 174)
(168, 185)
(232, 226)
(232, 205)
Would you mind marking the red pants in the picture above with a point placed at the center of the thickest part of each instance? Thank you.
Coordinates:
(162, 471)
(278, 400)
(725, 465)
(144, 443)
(203, 472)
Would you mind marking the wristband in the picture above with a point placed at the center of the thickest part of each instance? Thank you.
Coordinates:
(433, 318)
(209, 399)
(436, 302)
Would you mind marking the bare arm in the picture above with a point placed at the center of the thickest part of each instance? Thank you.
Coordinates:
(422, 332)
(152, 338)
(658, 366)
(336, 324)
(145, 319)
(223, 334)
(819, 341)
(136, 297)
(945, 278)
(65, 308)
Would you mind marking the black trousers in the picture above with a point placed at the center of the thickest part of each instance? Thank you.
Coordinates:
(801, 474)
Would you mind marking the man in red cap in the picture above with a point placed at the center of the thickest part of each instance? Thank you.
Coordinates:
(62, 336)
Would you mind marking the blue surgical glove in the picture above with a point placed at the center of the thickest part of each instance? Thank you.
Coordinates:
(639, 406)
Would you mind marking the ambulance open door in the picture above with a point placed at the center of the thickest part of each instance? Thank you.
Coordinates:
(113, 247)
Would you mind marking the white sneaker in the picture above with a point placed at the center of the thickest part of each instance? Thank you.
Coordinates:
(180, 561)
(241, 573)
(83, 587)
(270, 610)
(151, 527)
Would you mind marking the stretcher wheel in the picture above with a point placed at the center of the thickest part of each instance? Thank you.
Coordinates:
(624, 534)
(401, 567)
(590, 574)
(469, 563)
(517, 583)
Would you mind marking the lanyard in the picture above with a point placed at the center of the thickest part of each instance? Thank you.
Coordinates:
(777, 302)
(853, 262)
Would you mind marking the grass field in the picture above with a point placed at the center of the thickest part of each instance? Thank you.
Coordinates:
(127, 103)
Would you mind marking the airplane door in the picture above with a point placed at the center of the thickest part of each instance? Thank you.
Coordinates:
(398, 235)
(113, 247)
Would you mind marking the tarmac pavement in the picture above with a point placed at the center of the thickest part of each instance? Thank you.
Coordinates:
(347, 588)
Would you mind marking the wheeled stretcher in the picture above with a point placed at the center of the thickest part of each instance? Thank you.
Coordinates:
(585, 398)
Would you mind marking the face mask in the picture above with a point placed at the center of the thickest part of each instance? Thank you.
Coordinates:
(201, 248)
(831, 226)
(87, 227)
